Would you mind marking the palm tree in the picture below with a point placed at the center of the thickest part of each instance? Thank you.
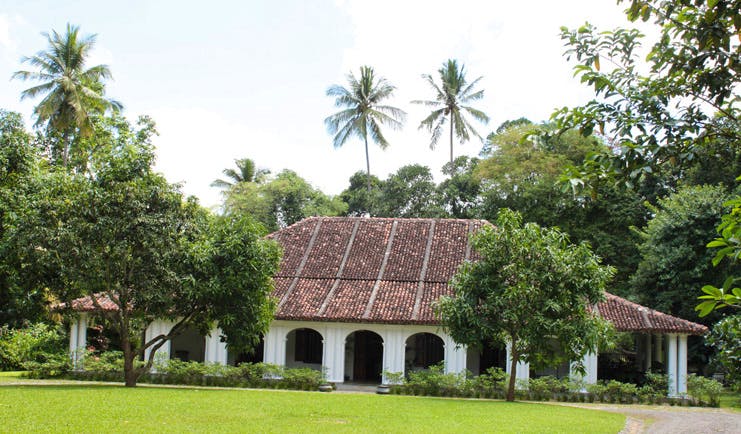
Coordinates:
(451, 97)
(363, 113)
(72, 92)
(246, 172)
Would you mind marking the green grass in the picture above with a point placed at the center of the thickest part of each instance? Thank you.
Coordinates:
(6, 376)
(732, 400)
(78, 408)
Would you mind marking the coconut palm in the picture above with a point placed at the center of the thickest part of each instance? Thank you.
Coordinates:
(246, 172)
(72, 92)
(451, 98)
(363, 112)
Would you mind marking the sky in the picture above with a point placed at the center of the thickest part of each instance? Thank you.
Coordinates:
(234, 79)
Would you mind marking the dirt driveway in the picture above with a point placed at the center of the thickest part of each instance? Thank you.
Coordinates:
(673, 420)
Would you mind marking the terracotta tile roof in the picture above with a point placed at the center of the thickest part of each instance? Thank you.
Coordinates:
(385, 270)
(632, 317)
(382, 270)
(85, 304)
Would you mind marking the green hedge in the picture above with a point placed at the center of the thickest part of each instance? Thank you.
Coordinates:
(435, 382)
(108, 366)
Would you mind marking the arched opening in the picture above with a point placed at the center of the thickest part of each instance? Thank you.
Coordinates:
(304, 348)
(422, 351)
(489, 356)
(363, 357)
(188, 346)
(256, 356)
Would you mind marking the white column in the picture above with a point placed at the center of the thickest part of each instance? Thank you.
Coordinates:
(215, 349)
(671, 363)
(73, 341)
(682, 366)
(590, 366)
(154, 329)
(522, 370)
(648, 351)
(334, 355)
(394, 350)
(78, 340)
(275, 346)
(455, 357)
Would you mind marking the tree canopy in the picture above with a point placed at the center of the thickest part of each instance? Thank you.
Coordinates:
(73, 93)
(364, 111)
(451, 104)
(531, 289)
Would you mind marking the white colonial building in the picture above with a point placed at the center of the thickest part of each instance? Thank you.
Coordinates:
(355, 299)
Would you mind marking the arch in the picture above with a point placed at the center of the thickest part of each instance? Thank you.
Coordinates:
(256, 356)
(363, 357)
(488, 356)
(304, 349)
(423, 350)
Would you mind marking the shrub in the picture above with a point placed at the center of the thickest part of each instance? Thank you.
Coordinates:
(48, 366)
(725, 338)
(34, 343)
(704, 390)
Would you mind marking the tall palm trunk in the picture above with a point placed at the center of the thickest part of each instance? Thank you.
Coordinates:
(451, 139)
(367, 163)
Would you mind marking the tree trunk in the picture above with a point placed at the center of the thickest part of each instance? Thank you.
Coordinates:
(512, 373)
(451, 140)
(367, 163)
(130, 374)
(65, 148)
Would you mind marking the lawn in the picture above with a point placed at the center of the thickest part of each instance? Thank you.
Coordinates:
(95, 408)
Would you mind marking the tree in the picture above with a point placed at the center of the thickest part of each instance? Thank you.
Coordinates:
(410, 192)
(246, 172)
(363, 113)
(452, 97)
(529, 288)
(460, 194)
(122, 233)
(725, 338)
(72, 92)
(281, 201)
(522, 170)
(361, 201)
(18, 167)
(658, 120)
(675, 261)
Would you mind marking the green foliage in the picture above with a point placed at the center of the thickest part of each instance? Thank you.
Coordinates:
(674, 260)
(704, 390)
(725, 339)
(729, 243)
(530, 287)
(451, 104)
(658, 119)
(522, 172)
(410, 192)
(73, 93)
(459, 194)
(361, 201)
(29, 344)
(246, 171)
(364, 111)
(281, 201)
(435, 382)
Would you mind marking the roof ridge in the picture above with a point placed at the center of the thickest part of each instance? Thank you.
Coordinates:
(379, 279)
(301, 265)
(423, 272)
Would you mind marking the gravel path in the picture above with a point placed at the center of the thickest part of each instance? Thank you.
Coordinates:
(674, 420)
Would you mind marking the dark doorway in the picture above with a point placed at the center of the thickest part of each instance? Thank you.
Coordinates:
(256, 356)
(422, 351)
(367, 354)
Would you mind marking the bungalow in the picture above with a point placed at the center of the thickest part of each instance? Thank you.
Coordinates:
(356, 295)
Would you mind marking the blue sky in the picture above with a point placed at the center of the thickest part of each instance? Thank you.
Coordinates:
(226, 80)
